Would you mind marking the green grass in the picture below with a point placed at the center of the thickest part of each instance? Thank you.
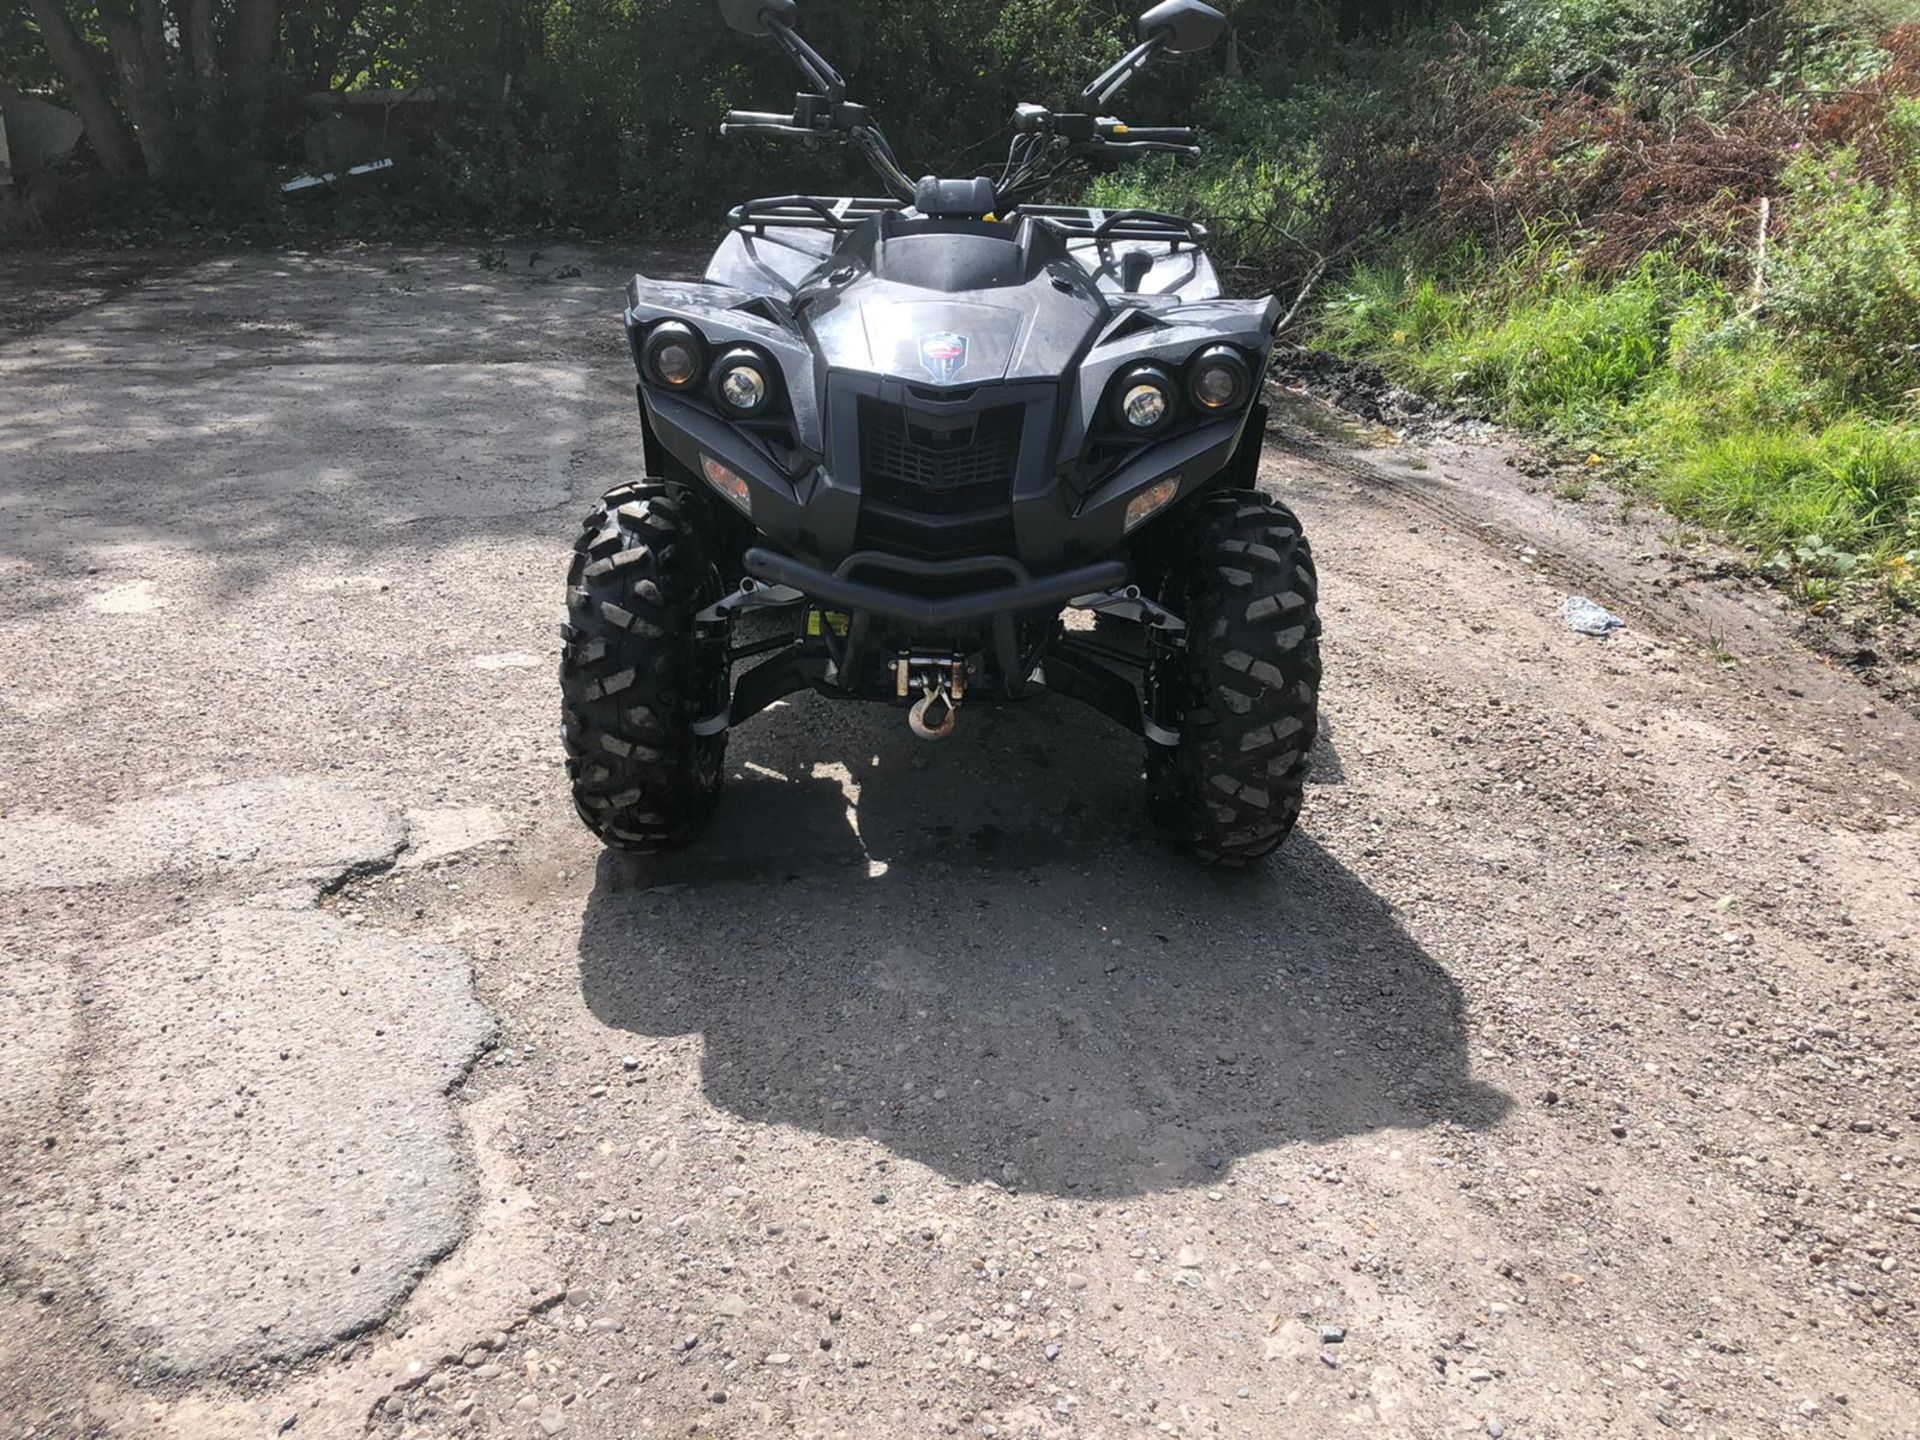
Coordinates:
(1545, 348)
(1694, 401)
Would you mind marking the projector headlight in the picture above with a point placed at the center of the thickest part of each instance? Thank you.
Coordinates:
(1218, 379)
(673, 355)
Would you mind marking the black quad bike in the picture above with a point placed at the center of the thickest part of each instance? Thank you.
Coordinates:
(892, 443)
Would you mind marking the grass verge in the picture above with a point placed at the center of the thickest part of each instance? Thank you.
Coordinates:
(1726, 411)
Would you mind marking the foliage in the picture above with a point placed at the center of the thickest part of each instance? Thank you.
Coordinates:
(1848, 284)
(1700, 402)
(1684, 237)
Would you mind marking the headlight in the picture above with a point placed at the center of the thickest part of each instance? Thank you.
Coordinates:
(672, 355)
(1218, 379)
(742, 380)
(1143, 400)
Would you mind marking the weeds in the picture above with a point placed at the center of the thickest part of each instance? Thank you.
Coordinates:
(1779, 406)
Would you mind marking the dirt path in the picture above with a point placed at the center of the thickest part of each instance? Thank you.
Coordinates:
(1557, 1080)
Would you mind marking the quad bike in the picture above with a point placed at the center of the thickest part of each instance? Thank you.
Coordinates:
(891, 443)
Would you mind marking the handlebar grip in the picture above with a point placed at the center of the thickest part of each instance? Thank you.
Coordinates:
(1158, 135)
(756, 117)
(728, 129)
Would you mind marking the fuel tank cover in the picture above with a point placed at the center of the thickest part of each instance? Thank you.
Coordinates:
(950, 262)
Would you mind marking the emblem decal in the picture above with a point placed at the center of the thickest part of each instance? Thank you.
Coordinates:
(943, 355)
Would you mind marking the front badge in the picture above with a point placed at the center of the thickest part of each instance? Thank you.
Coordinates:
(943, 355)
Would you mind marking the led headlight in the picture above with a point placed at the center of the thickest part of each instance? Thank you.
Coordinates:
(672, 355)
(1143, 400)
(1218, 379)
(742, 381)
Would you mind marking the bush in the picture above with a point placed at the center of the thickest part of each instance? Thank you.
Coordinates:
(1847, 281)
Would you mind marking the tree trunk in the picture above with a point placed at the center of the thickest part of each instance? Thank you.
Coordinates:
(201, 62)
(197, 29)
(153, 38)
(250, 42)
(256, 26)
(106, 132)
(143, 80)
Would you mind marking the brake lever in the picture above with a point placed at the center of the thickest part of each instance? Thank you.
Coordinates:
(1142, 147)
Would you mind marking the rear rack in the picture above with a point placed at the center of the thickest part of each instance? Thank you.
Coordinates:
(808, 212)
(1076, 221)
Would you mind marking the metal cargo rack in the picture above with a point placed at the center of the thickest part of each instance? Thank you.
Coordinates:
(1078, 222)
(808, 212)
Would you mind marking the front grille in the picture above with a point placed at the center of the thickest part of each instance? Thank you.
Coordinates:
(938, 487)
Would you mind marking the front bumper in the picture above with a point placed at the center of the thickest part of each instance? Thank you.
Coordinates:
(842, 589)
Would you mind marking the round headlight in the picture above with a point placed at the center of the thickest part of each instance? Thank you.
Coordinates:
(1144, 405)
(743, 381)
(742, 387)
(1219, 380)
(1143, 399)
(673, 355)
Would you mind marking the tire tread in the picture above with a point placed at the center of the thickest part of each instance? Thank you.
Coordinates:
(1247, 686)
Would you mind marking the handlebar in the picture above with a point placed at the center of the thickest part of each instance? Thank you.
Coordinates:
(1152, 135)
(1146, 147)
(822, 117)
(1043, 142)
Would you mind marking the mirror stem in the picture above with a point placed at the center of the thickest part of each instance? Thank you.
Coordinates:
(1108, 82)
(810, 60)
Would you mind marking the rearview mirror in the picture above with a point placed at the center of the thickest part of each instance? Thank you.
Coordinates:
(750, 16)
(1187, 24)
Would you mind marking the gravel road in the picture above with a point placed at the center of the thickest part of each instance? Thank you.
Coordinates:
(1557, 1079)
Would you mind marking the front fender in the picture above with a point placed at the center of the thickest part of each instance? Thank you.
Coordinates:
(1192, 458)
(728, 316)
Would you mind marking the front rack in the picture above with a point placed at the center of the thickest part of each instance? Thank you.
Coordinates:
(808, 212)
(1077, 221)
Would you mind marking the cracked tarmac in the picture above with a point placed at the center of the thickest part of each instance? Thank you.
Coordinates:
(1563, 1063)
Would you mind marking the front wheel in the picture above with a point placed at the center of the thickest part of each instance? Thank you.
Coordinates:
(1245, 691)
(633, 675)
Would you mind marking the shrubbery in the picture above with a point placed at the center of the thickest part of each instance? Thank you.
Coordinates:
(1713, 284)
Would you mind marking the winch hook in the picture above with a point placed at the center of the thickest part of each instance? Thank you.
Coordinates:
(938, 702)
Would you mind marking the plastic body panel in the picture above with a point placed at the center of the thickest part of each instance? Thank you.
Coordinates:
(927, 325)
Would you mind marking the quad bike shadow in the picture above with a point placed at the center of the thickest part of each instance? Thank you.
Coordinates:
(1021, 990)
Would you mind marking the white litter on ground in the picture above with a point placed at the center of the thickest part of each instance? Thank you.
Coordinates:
(1583, 615)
